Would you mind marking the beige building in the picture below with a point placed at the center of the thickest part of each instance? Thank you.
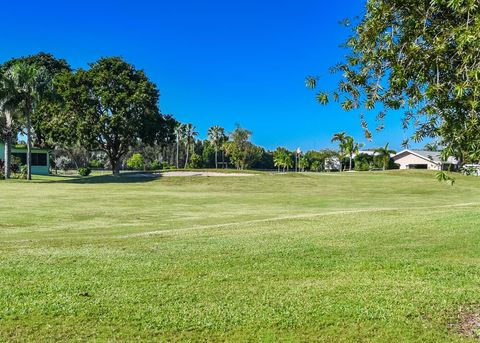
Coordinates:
(420, 159)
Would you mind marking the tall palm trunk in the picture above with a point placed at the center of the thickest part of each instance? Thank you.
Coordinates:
(186, 156)
(216, 159)
(29, 145)
(350, 163)
(178, 148)
(8, 144)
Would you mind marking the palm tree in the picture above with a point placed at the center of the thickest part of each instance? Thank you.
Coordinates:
(340, 137)
(350, 148)
(178, 137)
(384, 153)
(189, 135)
(29, 84)
(282, 158)
(7, 110)
(216, 135)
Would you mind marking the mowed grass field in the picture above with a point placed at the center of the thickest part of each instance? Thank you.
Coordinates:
(382, 257)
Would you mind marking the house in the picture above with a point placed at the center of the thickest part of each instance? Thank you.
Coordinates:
(40, 158)
(421, 159)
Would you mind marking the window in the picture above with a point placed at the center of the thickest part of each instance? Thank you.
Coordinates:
(38, 159)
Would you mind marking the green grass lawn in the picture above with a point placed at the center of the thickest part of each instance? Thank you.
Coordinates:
(384, 257)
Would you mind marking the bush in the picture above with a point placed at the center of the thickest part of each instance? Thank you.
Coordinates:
(136, 161)
(316, 166)
(96, 164)
(195, 162)
(62, 162)
(84, 171)
(167, 166)
(23, 172)
(154, 165)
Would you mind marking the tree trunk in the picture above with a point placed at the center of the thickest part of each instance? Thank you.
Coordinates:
(178, 148)
(223, 159)
(29, 145)
(8, 145)
(115, 163)
(350, 163)
(186, 158)
(216, 159)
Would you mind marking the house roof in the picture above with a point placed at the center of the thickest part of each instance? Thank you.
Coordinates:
(431, 156)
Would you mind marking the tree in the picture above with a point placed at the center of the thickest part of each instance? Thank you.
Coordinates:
(340, 137)
(384, 154)
(240, 150)
(189, 134)
(178, 138)
(7, 111)
(136, 161)
(108, 108)
(216, 135)
(282, 158)
(350, 147)
(303, 163)
(29, 83)
(419, 56)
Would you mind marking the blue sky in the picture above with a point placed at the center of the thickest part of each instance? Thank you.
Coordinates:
(215, 62)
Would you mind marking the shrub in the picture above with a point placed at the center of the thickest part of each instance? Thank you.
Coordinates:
(84, 171)
(167, 166)
(154, 165)
(136, 161)
(316, 166)
(62, 162)
(96, 164)
(195, 162)
(23, 172)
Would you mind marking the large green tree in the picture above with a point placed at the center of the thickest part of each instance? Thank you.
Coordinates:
(421, 56)
(107, 108)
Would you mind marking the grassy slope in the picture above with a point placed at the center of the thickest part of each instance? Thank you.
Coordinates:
(254, 258)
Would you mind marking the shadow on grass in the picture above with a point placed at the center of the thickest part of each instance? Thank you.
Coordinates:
(99, 179)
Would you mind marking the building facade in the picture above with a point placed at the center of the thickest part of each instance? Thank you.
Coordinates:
(40, 158)
(421, 159)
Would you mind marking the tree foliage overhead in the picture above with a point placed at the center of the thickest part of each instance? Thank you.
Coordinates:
(421, 56)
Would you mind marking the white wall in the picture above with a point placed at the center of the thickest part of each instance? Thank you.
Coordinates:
(408, 158)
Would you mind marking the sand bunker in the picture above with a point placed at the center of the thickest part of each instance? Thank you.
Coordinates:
(200, 173)
(188, 174)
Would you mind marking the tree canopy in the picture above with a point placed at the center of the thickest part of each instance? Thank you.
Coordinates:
(107, 108)
(419, 56)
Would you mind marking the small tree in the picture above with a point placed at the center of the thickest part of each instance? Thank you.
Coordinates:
(136, 161)
(62, 163)
(384, 154)
(240, 150)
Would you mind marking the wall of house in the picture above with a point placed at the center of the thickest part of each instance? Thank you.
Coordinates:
(39, 170)
(407, 159)
(2, 151)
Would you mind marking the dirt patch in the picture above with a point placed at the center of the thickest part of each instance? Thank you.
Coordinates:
(468, 323)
